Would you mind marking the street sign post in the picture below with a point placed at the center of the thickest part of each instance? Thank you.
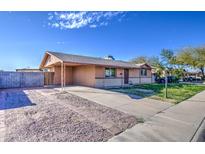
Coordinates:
(166, 84)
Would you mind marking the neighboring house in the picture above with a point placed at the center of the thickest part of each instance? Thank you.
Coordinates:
(197, 75)
(28, 70)
(94, 72)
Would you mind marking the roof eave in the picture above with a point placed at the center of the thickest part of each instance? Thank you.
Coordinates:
(45, 57)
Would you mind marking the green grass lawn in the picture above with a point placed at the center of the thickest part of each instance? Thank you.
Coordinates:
(176, 92)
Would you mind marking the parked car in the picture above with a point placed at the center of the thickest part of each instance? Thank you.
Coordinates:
(170, 79)
(192, 79)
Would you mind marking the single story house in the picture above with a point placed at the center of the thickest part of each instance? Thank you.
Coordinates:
(71, 69)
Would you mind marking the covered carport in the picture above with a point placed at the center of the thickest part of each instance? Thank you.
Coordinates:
(67, 73)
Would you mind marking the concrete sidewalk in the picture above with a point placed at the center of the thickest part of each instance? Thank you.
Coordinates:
(139, 107)
(178, 123)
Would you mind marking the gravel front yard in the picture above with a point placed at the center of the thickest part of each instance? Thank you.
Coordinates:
(52, 115)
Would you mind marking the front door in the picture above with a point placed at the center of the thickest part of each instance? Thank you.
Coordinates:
(126, 76)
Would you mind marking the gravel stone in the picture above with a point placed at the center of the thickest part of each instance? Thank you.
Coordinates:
(52, 115)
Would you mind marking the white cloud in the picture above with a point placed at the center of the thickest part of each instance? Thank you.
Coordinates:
(75, 20)
(60, 42)
(93, 26)
(50, 17)
(103, 23)
(55, 25)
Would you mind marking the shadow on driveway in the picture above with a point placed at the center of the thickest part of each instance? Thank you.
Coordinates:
(14, 99)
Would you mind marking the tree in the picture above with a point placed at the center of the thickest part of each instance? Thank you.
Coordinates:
(167, 61)
(170, 62)
(153, 61)
(168, 58)
(140, 60)
(193, 57)
(199, 54)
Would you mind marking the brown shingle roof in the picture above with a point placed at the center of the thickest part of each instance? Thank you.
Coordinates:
(92, 60)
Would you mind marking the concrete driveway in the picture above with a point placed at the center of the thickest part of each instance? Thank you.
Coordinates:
(162, 121)
(139, 107)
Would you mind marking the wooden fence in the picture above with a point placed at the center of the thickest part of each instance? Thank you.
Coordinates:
(21, 79)
(48, 78)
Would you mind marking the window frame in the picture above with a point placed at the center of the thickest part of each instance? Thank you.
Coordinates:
(111, 75)
(143, 72)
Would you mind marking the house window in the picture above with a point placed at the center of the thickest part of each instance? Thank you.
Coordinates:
(143, 72)
(110, 72)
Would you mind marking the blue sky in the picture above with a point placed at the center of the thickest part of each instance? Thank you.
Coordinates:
(25, 36)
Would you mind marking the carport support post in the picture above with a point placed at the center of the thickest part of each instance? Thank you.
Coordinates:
(62, 76)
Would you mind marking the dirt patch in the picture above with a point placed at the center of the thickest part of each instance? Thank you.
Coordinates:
(52, 115)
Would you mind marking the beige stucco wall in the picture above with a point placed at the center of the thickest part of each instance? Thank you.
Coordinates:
(94, 76)
(84, 75)
(57, 75)
(79, 75)
(149, 73)
(134, 72)
(134, 78)
(69, 75)
(118, 71)
(99, 71)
